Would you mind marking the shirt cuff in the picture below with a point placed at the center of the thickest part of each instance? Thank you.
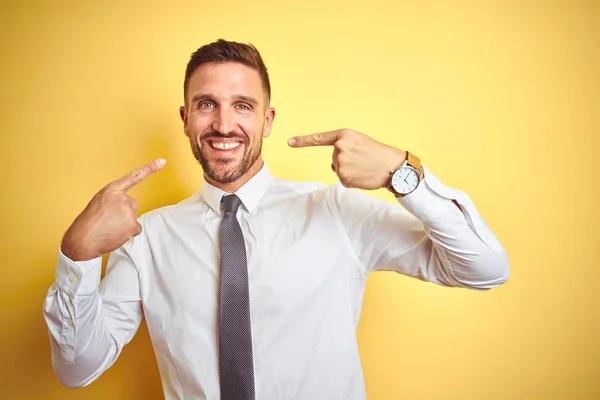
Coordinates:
(430, 200)
(78, 277)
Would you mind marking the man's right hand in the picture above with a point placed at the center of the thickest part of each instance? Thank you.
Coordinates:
(109, 220)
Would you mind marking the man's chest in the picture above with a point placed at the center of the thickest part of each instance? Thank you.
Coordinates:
(290, 260)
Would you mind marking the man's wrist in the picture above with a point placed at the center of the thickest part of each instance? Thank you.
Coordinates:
(76, 252)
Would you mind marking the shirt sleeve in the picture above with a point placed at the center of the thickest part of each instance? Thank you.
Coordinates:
(89, 322)
(429, 238)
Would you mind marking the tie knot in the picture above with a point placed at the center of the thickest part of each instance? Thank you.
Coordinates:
(231, 203)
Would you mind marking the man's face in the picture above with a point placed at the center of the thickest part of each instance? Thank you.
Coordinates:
(225, 118)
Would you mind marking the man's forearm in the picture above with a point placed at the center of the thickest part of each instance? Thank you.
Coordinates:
(81, 344)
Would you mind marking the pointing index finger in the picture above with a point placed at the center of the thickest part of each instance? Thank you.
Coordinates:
(316, 139)
(128, 181)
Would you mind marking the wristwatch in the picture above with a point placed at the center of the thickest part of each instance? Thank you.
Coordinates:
(406, 179)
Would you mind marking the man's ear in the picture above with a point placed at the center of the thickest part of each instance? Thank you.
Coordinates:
(184, 118)
(269, 118)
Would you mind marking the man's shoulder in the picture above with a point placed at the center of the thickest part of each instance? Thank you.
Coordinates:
(298, 187)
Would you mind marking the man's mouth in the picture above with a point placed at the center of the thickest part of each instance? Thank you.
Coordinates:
(224, 145)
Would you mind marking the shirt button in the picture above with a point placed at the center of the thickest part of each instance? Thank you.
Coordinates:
(70, 322)
(73, 278)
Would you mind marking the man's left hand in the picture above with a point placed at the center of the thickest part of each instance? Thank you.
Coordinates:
(358, 160)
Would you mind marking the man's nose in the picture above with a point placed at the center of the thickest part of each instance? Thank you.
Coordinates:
(224, 121)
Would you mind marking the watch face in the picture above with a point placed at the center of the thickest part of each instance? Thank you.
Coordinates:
(405, 180)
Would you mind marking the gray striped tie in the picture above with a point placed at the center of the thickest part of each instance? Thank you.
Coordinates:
(236, 368)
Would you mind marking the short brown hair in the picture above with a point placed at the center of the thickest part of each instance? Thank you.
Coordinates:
(225, 51)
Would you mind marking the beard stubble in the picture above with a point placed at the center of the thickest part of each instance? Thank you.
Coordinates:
(219, 169)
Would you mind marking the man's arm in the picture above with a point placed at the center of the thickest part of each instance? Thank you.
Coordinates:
(90, 324)
(438, 243)
(444, 241)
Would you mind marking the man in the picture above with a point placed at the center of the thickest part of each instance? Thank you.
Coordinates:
(252, 287)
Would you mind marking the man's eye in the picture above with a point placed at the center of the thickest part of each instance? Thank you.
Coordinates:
(243, 107)
(206, 104)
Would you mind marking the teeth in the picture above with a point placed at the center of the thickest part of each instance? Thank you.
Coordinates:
(225, 146)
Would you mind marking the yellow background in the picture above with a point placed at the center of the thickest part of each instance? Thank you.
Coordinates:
(500, 99)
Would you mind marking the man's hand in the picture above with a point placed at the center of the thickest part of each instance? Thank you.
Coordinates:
(109, 220)
(358, 160)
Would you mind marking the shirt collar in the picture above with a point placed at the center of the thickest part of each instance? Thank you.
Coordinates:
(250, 193)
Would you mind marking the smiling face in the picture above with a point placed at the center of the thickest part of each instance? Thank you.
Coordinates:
(225, 118)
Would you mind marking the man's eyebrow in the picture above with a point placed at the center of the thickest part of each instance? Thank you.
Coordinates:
(201, 96)
(247, 99)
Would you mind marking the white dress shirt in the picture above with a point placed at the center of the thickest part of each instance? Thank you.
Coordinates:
(310, 248)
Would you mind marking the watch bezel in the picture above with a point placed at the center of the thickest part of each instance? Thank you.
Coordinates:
(414, 170)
